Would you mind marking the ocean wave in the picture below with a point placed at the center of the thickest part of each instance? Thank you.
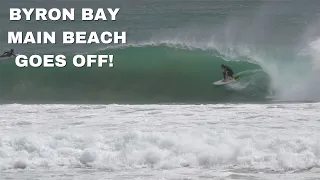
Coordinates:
(158, 73)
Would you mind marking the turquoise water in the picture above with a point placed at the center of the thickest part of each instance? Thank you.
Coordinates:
(173, 54)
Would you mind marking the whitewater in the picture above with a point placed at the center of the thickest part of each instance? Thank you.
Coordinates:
(225, 141)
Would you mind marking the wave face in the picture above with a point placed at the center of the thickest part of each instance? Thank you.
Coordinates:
(141, 74)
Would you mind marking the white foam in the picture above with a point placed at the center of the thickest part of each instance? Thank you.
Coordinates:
(258, 137)
(187, 150)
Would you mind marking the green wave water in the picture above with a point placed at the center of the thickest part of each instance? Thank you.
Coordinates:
(141, 74)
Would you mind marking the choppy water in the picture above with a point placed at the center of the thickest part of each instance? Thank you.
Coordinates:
(226, 141)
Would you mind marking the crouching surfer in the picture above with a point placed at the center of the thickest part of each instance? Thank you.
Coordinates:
(227, 72)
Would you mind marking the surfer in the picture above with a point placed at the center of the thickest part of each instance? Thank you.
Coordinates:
(227, 72)
(8, 53)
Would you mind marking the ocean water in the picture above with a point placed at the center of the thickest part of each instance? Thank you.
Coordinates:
(156, 114)
(173, 53)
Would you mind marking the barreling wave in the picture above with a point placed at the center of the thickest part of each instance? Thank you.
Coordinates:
(141, 74)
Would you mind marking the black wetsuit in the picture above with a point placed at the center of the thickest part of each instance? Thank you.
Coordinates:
(229, 71)
(7, 54)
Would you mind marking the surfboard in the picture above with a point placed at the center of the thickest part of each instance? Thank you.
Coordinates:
(3, 58)
(6, 57)
(222, 82)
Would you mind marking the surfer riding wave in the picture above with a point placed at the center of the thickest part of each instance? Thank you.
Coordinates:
(227, 72)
